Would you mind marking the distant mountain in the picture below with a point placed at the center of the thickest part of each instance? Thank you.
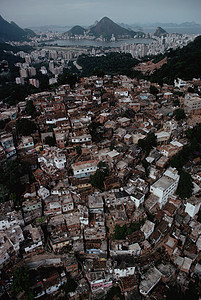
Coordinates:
(76, 30)
(50, 28)
(12, 32)
(106, 27)
(160, 32)
(186, 27)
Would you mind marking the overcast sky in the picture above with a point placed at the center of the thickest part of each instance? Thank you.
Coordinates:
(85, 12)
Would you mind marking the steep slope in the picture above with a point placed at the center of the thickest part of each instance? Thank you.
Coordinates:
(11, 31)
(184, 63)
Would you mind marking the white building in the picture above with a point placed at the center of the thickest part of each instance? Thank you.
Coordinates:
(85, 138)
(67, 203)
(34, 239)
(149, 280)
(53, 158)
(59, 161)
(138, 198)
(43, 192)
(165, 186)
(162, 136)
(193, 206)
(15, 236)
(147, 228)
(179, 83)
(19, 80)
(135, 248)
(11, 219)
(124, 272)
(192, 103)
(84, 215)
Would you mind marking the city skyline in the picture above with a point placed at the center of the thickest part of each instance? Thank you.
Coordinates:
(50, 12)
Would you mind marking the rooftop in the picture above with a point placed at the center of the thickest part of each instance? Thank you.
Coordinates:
(163, 183)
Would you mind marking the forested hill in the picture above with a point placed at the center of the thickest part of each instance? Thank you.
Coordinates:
(76, 30)
(183, 63)
(111, 64)
(7, 52)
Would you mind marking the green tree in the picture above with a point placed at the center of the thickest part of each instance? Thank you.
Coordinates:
(30, 108)
(10, 179)
(176, 102)
(98, 72)
(146, 166)
(67, 78)
(93, 131)
(194, 133)
(114, 293)
(97, 179)
(51, 127)
(185, 186)
(153, 90)
(78, 150)
(148, 143)
(70, 286)
(177, 161)
(120, 232)
(103, 167)
(191, 90)
(50, 140)
(21, 282)
(4, 193)
(2, 124)
(25, 127)
(179, 114)
(199, 216)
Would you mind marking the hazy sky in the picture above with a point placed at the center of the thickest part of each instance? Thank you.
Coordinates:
(85, 12)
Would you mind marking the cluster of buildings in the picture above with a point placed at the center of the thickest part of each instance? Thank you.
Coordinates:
(134, 232)
(159, 45)
(52, 64)
(54, 60)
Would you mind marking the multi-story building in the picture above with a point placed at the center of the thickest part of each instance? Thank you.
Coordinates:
(84, 169)
(165, 186)
(34, 82)
(8, 144)
(192, 104)
(193, 206)
(32, 71)
(23, 73)
(86, 138)
(28, 142)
